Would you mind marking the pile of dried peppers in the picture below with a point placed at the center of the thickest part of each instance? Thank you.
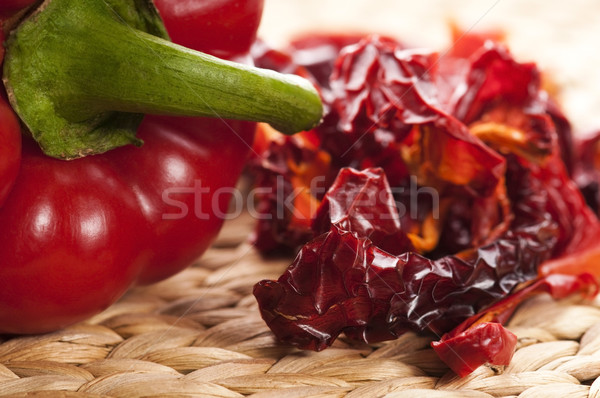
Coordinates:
(439, 192)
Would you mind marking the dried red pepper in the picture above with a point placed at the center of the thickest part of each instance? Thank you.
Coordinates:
(497, 155)
(587, 169)
(344, 282)
(361, 130)
(362, 202)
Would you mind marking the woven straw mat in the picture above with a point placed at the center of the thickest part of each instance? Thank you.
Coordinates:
(199, 334)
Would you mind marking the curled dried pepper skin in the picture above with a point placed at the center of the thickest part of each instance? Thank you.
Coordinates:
(362, 202)
(494, 76)
(290, 171)
(323, 293)
(318, 52)
(486, 343)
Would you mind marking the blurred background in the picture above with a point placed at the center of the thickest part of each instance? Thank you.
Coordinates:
(562, 37)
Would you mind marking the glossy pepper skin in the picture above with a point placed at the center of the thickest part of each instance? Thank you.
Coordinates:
(10, 130)
(76, 235)
(229, 26)
(10, 149)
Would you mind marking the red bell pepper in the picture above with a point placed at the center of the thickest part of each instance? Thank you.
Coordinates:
(10, 7)
(10, 149)
(76, 235)
(10, 130)
(233, 24)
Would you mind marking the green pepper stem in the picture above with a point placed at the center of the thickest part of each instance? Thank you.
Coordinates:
(75, 66)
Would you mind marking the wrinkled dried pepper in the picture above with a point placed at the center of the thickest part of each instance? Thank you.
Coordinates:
(505, 221)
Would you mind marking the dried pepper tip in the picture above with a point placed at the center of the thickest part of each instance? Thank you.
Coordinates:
(486, 343)
(120, 66)
(481, 339)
